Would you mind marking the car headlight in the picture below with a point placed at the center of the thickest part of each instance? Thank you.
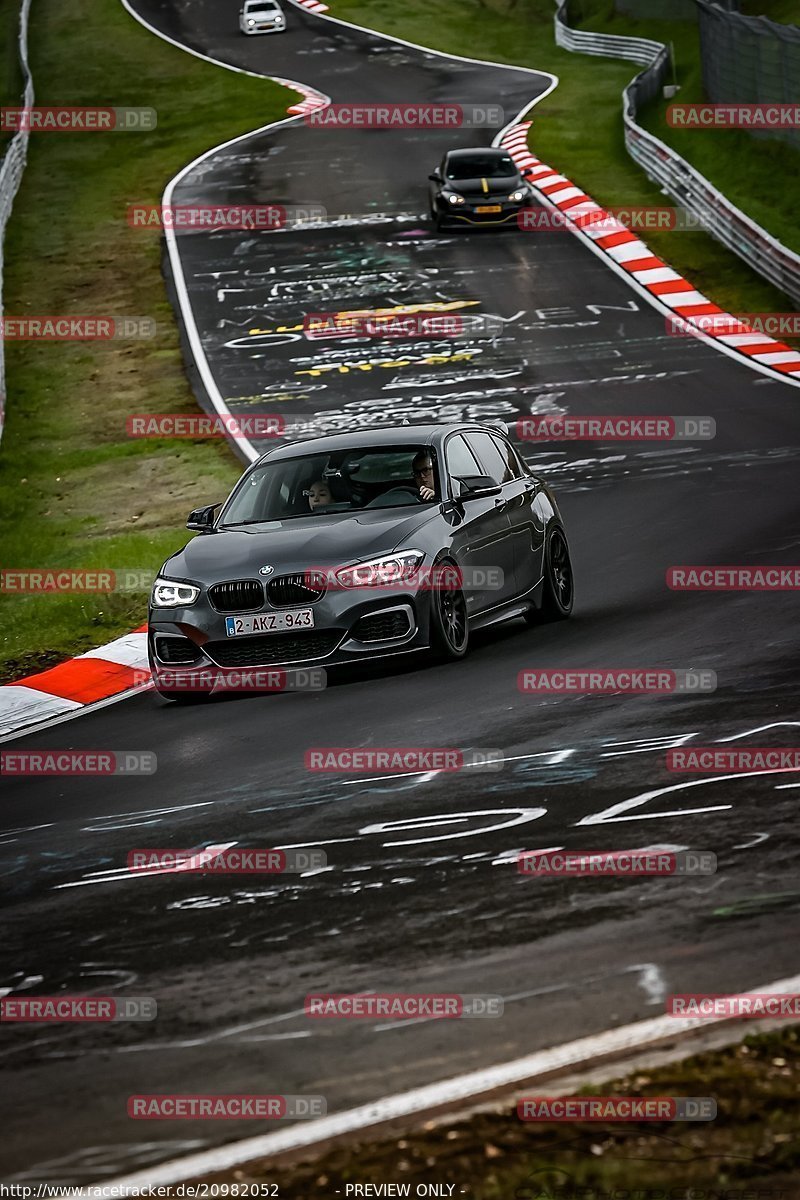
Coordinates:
(168, 593)
(251, 21)
(519, 194)
(454, 198)
(380, 572)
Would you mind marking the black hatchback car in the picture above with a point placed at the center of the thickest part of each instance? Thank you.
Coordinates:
(477, 187)
(359, 546)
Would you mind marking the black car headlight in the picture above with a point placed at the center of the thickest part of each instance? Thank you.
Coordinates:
(454, 198)
(171, 593)
(381, 572)
(519, 194)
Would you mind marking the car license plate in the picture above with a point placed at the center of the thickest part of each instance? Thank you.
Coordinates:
(489, 208)
(300, 618)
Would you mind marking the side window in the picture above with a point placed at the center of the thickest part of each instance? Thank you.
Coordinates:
(513, 465)
(488, 452)
(459, 459)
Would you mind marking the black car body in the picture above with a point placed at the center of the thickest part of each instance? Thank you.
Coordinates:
(375, 571)
(477, 187)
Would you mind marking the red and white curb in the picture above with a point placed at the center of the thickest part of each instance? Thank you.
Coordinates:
(99, 675)
(312, 5)
(312, 99)
(632, 258)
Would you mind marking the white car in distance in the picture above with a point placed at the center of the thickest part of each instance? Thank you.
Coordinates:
(261, 16)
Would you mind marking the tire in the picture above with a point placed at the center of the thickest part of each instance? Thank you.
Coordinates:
(449, 622)
(558, 588)
(437, 221)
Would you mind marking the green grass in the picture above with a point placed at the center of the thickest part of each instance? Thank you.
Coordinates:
(75, 491)
(735, 162)
(751, 1151)
(10, 70)
(785, 12)
(591, 152)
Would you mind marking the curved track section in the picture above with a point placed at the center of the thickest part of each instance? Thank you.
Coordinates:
(421, 890)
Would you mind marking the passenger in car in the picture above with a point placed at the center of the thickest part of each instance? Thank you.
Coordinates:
(319, 494)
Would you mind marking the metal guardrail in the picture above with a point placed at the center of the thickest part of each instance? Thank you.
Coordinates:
(11, 169)
(721, 218)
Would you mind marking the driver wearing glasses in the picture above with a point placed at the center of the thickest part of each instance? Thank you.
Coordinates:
(422, 468)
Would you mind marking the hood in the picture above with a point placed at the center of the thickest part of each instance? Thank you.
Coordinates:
(495, 183)
(335, 540)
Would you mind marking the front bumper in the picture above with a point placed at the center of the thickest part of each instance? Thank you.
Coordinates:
(467, 214)
(349, 627)
(263, 28)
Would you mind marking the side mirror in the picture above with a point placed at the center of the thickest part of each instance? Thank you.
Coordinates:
(202, 519)
(472, 487)
(527, 173)
(436, 176)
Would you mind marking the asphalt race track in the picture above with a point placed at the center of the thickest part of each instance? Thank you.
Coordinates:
(421, 891)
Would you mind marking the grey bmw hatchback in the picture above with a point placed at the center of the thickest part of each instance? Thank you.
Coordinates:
(358, 546)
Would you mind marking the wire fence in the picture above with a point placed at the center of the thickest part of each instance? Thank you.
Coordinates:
(722, 219)
(654, 10)
(11, 169)
(750, 60)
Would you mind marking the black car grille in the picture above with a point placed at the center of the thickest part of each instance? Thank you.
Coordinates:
(380, 627)
(176, 650)
(272, 649)
(242, 595)
(304, 588)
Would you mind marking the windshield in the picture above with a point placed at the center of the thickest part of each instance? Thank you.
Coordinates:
(335, 482)
(479, 165)
(252, 6)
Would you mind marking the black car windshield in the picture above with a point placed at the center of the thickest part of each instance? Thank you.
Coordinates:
(479, 165)
(338, 481)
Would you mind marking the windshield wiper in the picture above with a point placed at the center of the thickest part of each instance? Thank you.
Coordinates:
(236, 524)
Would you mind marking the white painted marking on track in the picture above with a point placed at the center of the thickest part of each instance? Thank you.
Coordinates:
(761, 729)
(609, 815)
(457, 1090)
